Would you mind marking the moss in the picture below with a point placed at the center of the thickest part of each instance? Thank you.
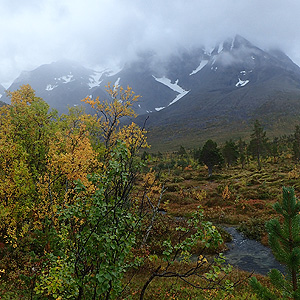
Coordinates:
(253, 228)
(172, 187)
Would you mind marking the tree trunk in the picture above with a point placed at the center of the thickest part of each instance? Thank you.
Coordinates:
(258, 161)
(148, 282)
(209, 171)
(80, 293)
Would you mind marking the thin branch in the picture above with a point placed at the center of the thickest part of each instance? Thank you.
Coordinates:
(155, 210)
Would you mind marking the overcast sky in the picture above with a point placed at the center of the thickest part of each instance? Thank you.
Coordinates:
(92, 32)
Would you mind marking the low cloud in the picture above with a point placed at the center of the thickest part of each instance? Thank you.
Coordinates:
(94, 32)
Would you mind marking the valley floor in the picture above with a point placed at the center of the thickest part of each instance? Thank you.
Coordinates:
(235, 196)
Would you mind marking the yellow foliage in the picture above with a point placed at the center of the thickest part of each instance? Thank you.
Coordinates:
(133, 136)
(40, 159)
(149, 179)
(152, 190)
(202, 259)
(42, 156)
(199, 195)
(71, 157)
(71, 154)
(226, 193)
(24, 96)
(109, 114)
(294, 174)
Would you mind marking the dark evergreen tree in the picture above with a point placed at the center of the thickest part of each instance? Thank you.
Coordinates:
(284, 240)
(257, 146)
(273, 149)
(230, 153)
(197, 154)
(286, 142)
(211, 155)
(242, 147)
(296, 144)
(181, 151)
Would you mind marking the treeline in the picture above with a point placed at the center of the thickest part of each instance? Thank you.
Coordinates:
(257, 148)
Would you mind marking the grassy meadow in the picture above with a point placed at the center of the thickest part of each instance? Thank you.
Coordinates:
(242, 197)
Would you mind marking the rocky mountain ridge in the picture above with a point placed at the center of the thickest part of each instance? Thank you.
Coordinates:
(195, 93)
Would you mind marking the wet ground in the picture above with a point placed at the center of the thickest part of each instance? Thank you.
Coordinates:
(250, 255)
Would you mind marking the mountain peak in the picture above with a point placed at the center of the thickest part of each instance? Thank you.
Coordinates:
(234, 81)
(232, 44)
(61, 84)
(241, 41)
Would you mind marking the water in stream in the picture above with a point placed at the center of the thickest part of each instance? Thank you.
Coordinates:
(249, 255)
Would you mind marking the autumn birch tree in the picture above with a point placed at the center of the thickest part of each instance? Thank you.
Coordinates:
(99, 229)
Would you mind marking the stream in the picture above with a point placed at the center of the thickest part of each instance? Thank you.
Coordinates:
(246, 254)
(249, 255)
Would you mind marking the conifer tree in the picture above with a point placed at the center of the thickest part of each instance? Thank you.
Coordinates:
(211, 155)
(258, 142)
(230, 152)
(273, 148)
(181, 151)
(242, 151)
(284, 240)
(296, 144)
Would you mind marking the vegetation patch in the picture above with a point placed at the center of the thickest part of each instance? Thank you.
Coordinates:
(85, 214)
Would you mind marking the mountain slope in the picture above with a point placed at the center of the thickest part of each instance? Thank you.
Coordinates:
(2, 94)
(62, 84)
(235, 85)
(190, 96)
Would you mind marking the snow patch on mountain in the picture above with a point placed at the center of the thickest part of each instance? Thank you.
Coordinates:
(232, 44)
(241, 83)
(1, 96)
(51, 87)
(178, 97)
(173, 86)
(159, 108)
(203, 63)
(66, 78)
(114, 70)
(208, 51)
(220, 48)
(213, 60)
(95, 79)
(93, 83)
(116, 84)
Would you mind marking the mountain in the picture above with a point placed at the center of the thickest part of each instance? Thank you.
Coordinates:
(234, 84)
(2, 91)
(155, 80)
(62, 84)
(228, 67)
(190, 96)
(2, 94)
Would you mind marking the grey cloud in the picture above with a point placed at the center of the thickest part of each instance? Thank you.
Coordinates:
(95, 31)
